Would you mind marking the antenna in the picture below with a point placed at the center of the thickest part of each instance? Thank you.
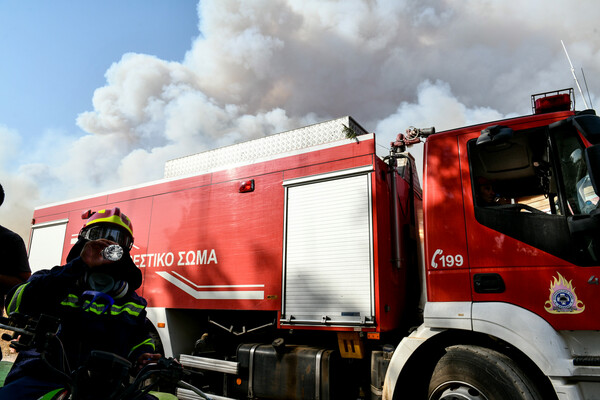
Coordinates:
(574, 76)
(587, 89)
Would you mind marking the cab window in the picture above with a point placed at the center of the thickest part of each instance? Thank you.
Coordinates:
(516, 174)
(530, 185)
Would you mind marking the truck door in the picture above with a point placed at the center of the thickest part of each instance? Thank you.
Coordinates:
(328, 250)
(535, 242)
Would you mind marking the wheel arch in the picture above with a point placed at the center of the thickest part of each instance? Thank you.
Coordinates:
(527, 332)
(418, 368)
(524, 337)
(155, 316)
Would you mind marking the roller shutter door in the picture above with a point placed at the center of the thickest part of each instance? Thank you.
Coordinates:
(328, 257)
(47, 241)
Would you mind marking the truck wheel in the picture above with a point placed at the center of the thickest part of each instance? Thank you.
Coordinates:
(477, 373)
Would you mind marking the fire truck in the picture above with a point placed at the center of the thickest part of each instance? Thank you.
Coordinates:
(307, 265)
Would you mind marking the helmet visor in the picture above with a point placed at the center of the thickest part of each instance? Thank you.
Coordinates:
(109, 232)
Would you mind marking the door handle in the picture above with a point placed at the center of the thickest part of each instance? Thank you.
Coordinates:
(488, 283)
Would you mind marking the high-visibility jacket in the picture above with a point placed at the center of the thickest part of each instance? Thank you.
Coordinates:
(87, 323)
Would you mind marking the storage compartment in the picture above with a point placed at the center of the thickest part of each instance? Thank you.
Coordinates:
(328, 250)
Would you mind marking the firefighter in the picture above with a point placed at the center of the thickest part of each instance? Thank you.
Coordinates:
(486, 195)
(95, 299)
(14, 267)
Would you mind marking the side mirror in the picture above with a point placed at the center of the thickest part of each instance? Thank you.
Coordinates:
(592, 159)
(495, 134)
(589, 125)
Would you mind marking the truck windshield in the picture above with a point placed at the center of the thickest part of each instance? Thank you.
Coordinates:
(579, 193)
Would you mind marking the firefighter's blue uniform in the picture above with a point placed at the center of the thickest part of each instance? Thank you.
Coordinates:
(87, 324)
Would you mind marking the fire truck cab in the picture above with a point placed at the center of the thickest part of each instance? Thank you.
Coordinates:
(512, 236)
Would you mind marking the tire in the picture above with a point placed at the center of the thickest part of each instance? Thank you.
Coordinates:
(478, 373)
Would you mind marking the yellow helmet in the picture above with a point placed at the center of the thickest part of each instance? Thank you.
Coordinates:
(109, 224)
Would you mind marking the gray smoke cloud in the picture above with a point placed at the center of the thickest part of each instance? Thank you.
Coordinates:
(266, 66)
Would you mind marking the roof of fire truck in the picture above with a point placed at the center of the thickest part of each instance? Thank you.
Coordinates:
(544, 103)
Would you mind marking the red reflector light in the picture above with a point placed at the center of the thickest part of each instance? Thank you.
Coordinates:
(559, 100)
(247, 186)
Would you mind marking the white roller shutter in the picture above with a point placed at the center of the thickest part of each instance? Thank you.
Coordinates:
(47, 241)
(328, 255)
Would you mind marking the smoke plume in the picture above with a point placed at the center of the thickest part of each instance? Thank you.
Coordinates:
(266, 66)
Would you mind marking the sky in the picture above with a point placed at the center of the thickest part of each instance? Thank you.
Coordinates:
(98, 95)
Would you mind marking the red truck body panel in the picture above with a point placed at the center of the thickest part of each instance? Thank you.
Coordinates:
(201, 244)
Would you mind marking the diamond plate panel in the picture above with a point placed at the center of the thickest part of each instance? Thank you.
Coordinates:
(269, 147)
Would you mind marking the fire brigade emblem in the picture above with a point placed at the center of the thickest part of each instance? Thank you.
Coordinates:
(563, 298)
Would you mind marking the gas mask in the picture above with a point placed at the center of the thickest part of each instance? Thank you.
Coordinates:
(105, 283)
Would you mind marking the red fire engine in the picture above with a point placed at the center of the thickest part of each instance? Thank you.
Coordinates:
(304, 265)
